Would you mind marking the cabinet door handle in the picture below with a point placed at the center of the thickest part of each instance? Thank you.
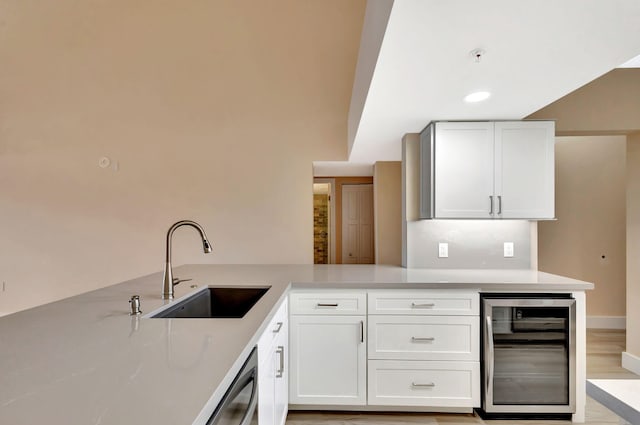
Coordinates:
(489, 352)
(499, 204)
(362, 331)
(427, 305)
(278, 327)
(491, 205)
(280, 371)
(427, 385)
(422, 339)
(327, 304)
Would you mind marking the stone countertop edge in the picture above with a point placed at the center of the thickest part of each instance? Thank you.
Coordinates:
(88, 360)
(617, 395)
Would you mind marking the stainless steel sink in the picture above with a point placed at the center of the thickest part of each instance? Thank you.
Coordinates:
(221, 302)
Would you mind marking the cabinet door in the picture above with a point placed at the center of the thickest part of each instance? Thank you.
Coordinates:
(266, 393)
(281, 389)
(464, 169)
(273, 347)
(328, 360)
(524, 157)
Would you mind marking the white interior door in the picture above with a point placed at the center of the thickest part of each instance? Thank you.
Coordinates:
(357, 224)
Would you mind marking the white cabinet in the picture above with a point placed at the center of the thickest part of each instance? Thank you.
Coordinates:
(328, 349)
(524, 178)
(417, 349)
(492, 170)
(273, 371)
(424, 349)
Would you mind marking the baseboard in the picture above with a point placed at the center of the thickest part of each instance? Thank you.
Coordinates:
(606, 322)
(631, 362)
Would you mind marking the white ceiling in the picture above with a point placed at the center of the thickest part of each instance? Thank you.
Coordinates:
(420, 68)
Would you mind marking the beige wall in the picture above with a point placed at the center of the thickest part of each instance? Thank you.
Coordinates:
(607, 105)
(610, 105)
(633, 244)
(212, 111)
(590, 211)
(387, 200)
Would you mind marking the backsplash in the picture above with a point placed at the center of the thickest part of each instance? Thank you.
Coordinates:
(472, 244)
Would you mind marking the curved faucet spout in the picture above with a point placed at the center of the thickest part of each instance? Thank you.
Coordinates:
(168, 281)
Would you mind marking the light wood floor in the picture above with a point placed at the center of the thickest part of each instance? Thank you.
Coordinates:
(604, 348)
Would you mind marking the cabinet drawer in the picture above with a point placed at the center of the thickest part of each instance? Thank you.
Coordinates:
(329, 302)
(277, 327)
(423, 383)
(424, 337)
(425, 302)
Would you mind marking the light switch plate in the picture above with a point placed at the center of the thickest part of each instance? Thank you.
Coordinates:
(443, 250)
(508, 249)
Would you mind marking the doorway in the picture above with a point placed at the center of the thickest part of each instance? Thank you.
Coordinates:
(334, 238)
(323, 221)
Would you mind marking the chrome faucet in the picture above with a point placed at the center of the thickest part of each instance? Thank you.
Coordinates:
(168, 281)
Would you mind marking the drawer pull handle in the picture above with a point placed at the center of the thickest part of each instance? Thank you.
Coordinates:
(327, 304)
(429, 305)
(422, 339)
(429, 385)
(278, 327)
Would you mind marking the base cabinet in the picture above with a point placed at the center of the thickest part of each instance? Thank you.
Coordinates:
(424, 349)
(273, 371)
(328, 351)
(413, 348)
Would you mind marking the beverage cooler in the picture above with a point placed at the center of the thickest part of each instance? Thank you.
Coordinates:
(528, 355)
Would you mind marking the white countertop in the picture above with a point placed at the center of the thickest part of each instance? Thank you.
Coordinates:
(84, 360)
(621, 396)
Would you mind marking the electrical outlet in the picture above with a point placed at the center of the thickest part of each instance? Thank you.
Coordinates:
(508, 249)
(443, 250)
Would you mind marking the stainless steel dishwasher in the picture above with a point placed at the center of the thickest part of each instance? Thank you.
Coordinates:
(240, 402)
(528, 355)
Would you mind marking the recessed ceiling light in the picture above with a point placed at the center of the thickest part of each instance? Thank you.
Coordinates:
(478, 96)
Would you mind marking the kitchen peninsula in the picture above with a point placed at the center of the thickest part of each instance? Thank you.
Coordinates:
(85, 360)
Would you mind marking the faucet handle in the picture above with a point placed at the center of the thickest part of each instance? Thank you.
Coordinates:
(177, 280)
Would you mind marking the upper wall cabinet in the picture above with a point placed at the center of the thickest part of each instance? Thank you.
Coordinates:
(493, 170)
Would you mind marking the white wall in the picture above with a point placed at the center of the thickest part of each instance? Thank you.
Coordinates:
(212, 111)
